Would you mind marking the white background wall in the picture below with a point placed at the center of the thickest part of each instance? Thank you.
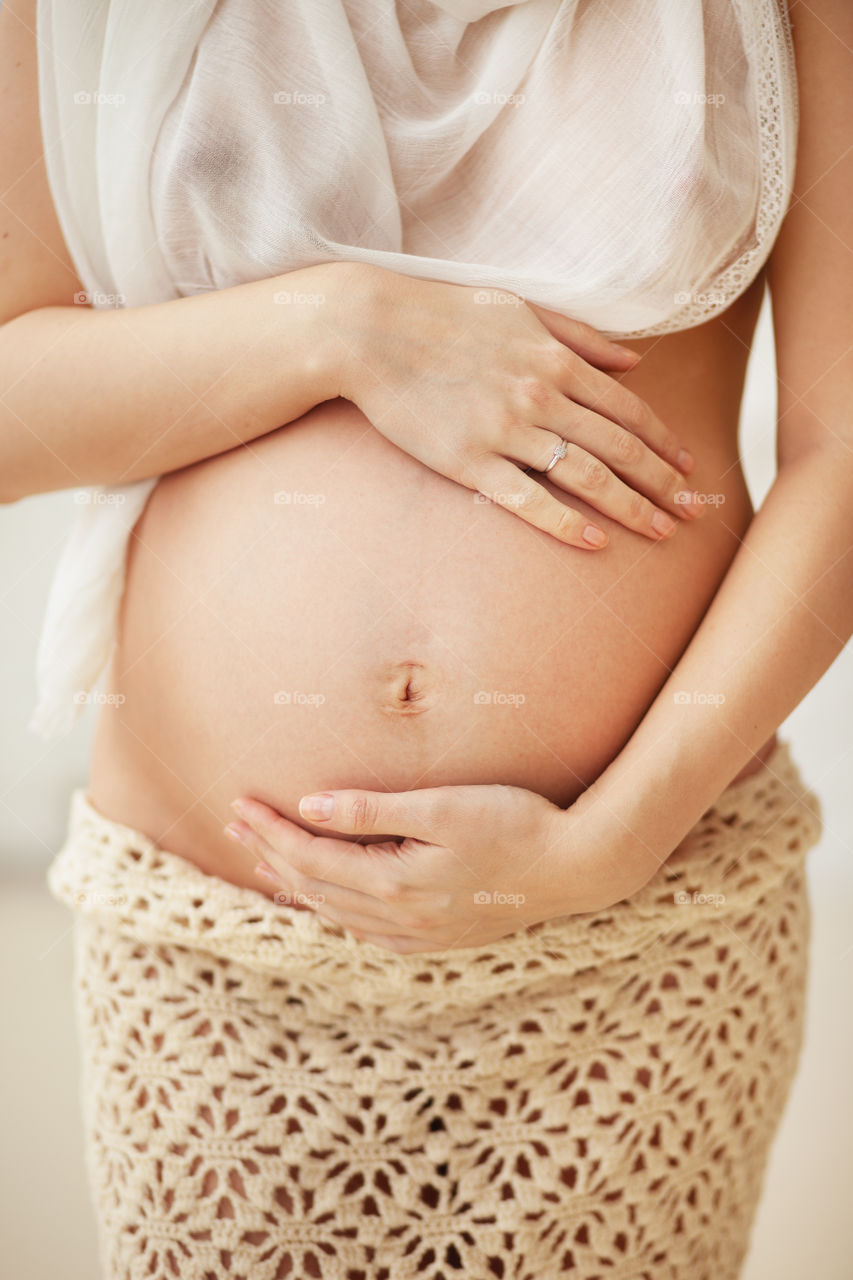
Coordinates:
(804, 1228)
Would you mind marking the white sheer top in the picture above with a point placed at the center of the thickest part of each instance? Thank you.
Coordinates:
(626, 162)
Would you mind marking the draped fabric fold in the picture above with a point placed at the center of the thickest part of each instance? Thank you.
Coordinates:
(627, 163)
(472, 10)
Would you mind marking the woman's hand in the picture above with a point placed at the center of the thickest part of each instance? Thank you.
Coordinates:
(479, 385)
(475, 863)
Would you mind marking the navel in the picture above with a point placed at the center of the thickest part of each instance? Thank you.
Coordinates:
(407, 688)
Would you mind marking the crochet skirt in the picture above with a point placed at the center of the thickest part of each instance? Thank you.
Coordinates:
(267, 1097)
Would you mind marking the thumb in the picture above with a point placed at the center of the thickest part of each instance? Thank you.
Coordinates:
(587, 342)
(370, 813)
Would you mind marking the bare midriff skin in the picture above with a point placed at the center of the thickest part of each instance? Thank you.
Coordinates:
(384, 629)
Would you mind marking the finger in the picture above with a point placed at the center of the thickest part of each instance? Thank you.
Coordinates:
(587, 473)
(400, 943)
(622, 451)
(348, 908)
(364, 813)
(583, 384)
(501, 482)
(292, 851)
(586, 476)
(587, 341)
(333, 901)
(372, 868)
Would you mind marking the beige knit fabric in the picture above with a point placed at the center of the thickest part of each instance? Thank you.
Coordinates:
(266, 1097)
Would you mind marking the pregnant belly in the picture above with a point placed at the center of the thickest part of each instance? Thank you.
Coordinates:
(320, 610)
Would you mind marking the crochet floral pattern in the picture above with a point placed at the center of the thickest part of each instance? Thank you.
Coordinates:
(268, 1098)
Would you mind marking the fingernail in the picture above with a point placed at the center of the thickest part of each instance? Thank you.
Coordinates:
(232, 831)
(626, 351)
(663, 523)
(595, 537)
(319, 806)
(265, 870)
(685, 461)
(238, 807)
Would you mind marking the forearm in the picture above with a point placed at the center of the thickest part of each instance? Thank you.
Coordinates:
(781, 616)
(111, 396)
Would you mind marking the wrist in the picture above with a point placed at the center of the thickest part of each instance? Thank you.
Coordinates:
(604, 860)
(337, 347)
(331, 291)
(359, 291)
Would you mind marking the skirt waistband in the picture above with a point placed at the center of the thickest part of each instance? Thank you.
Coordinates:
(753, 837)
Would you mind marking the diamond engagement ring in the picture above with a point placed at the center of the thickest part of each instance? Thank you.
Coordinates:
(559, 452)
